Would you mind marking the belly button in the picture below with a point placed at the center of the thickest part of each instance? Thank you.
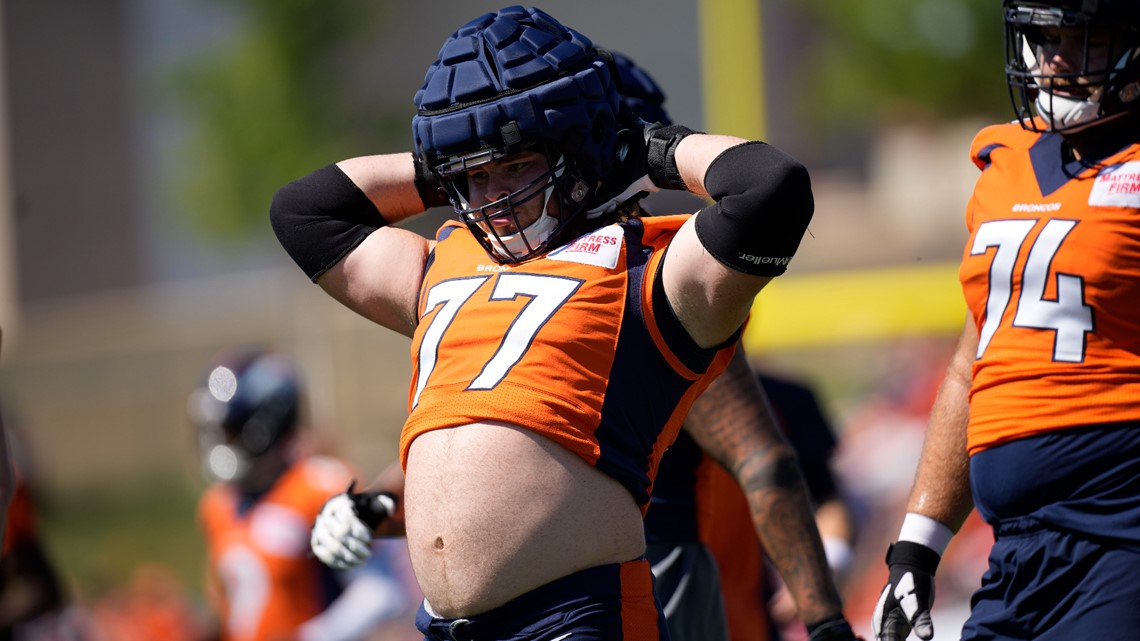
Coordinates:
(439, 542)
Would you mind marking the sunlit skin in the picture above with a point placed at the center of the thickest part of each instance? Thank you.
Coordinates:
(1062, 51)
(500, 178)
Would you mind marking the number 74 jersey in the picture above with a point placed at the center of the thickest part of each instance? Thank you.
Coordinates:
(1051, 275)
(578, 345)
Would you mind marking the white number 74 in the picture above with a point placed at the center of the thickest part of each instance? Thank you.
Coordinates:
(1069, 316)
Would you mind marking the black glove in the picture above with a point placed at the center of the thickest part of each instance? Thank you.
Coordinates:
(834, 629)
(906, 600)
(371, 507)
(643, 149)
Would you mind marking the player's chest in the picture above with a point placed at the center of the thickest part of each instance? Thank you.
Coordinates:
(545, 300)
(1088, 226)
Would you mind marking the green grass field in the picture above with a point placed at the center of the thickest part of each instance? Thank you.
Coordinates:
(99, 537)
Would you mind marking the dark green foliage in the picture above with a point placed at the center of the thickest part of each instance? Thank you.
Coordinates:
(876, 61)
(268, 105)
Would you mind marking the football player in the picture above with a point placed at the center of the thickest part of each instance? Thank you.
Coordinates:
(686, 577)
(558, 338)
(257, 515)
(1037, 421)
(702, 531)
(31, 589)
(7, 474)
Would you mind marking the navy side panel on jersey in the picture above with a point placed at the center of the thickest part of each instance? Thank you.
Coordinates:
(1080, 480)
(672, 515)
(643, 389)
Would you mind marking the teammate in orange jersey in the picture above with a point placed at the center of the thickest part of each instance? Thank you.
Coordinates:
(700, 512)
(758, 604)
(1038, 416)
(704, 534)
(556, 344)
(256, 518)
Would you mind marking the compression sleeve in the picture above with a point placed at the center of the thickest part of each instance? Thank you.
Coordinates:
(321, 217)
(763, 206)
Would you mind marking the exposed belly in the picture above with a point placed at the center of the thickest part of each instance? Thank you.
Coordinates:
(494, 511)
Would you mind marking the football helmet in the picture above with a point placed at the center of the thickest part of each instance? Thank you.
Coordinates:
(512, 80)
(1109, 84)
(639, 92)
(247, 402)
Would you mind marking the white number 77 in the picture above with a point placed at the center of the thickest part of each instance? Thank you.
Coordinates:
(546, 293)
(1069, 316)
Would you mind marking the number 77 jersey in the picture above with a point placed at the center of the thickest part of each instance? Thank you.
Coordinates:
(1051, 275)
(578, 345)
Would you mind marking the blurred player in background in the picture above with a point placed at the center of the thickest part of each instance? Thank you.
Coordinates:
(258, 514)
(1037, 422)
(7, 477)
(707, 538)
(31, 591)
(527, 479)
(703, 535)
(757, 603)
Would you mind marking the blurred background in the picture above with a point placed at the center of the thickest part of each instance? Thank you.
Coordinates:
(141, 142)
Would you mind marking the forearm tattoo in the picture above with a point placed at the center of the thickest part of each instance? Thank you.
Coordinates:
(734, 424)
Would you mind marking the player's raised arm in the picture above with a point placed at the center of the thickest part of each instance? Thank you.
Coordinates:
(732, 248)
(334, 223)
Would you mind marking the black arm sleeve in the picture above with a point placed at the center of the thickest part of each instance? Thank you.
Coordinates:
(318, 219)
(764, 204)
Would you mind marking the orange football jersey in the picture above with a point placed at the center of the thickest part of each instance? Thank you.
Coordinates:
(726, 528)
(579, 345)
(1051, 275)
(266, 580)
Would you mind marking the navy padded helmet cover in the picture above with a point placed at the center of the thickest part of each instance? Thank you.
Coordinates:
(521, 65)
(640, 93)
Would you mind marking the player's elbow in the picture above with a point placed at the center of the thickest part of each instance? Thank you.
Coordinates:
(321, 217)
(764, 204)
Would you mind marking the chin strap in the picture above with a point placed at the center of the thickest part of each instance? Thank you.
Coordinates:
(1062, 113)
(640, 188)
(515, 245)
(1065, 114)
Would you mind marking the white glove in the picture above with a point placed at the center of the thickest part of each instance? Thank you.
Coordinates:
(340, 539)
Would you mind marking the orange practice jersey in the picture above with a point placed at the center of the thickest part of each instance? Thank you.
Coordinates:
(726, 528)
(578, 345)
(1051, 274)
(267, 581)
